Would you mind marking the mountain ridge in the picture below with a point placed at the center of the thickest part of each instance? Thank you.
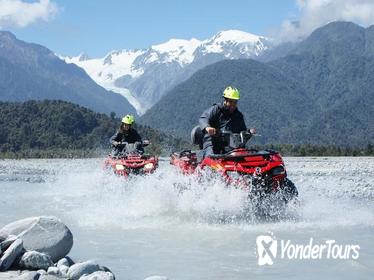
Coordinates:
(143, 76)
(31, 71)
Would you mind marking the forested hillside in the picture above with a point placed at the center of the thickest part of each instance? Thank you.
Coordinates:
(59, 128)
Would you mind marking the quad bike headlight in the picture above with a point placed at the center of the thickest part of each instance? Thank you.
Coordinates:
(120, 167)
(217, 166)
(148, 165)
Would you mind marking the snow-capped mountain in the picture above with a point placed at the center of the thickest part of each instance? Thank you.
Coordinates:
(143, 76)
(227, 42)
(105, 71)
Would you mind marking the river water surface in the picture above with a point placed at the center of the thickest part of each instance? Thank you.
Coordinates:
(148, 226)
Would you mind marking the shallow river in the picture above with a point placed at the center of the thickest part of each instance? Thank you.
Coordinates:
(148, 226)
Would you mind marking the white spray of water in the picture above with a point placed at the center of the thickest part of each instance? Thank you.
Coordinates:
(171, 224)
(98, 199)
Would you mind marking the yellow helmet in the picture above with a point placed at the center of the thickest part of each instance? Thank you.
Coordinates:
(231, 93)
(128, 119)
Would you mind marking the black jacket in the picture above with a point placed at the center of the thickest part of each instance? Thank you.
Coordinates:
(131, 136)
(221, 119)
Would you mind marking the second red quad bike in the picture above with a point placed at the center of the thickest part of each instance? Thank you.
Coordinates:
(261, 173)
(130, 159)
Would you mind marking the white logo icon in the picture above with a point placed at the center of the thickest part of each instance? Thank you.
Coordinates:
(266, 249)
(267, 246)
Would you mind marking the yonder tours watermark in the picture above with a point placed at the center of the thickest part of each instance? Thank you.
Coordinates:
(270, 248)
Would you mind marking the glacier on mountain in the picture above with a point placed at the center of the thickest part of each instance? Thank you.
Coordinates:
(143, 76)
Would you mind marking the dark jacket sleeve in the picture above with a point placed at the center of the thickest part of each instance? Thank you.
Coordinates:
(242, 125)
(207, 117)
(114, 137)
(136, 136)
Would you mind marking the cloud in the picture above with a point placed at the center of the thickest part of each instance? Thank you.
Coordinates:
(316, 13)
(18, 13)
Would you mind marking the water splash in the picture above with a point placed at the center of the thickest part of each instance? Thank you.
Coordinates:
(333, 192)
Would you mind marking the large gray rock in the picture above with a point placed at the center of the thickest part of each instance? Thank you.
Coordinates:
(9, 256)
(98, 275)
(35, 260)
(79, 269)
(43, 234)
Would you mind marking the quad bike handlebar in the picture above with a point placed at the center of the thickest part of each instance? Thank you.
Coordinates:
(125, 148)
(144, 143)
(197, 137)
(234, 140)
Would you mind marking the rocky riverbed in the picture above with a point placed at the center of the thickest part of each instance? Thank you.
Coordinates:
(36, 248)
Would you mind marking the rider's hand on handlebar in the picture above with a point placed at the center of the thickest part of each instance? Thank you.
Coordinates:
(210, 130)
(252, 130)
(115, 143)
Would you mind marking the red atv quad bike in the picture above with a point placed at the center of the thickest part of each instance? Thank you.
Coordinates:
(131, 160)
(261, 173)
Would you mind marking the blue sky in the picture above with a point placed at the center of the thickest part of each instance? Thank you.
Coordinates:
(96, 27)
(69, 27)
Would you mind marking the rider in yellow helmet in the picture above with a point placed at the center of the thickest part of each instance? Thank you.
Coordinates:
(125, 133)
(224, 116)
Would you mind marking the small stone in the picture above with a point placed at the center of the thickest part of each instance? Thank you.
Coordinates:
(67, 261)
(79, 269)
(54, 271)
(64, 270)
(41, 271)
(35, 260)
(98, 275)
